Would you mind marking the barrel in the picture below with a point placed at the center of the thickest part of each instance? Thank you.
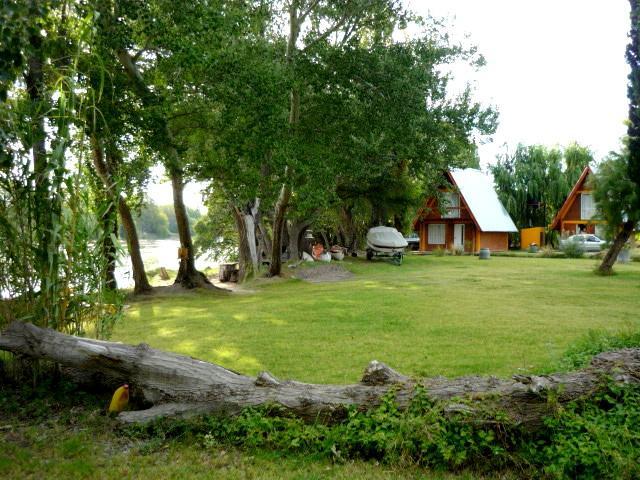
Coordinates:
(485, 253)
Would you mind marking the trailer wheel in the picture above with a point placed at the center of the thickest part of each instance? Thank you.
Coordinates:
(369, 254)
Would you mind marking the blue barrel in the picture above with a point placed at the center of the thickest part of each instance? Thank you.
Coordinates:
(484, 254)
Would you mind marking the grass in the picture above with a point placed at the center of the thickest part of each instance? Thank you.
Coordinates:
(72, 439)
(431, 316)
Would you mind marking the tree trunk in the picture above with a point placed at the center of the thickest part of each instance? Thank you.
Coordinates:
(349, 228)
(282, 204)
(248, 258)
(188, 276)
(264, 239)
(140, 280)
(110, 226)
(177, 385)
(606, 267)
(296, 230)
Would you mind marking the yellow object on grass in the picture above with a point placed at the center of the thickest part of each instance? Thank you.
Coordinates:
(120, 399)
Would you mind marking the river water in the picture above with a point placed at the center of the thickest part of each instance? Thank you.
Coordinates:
(155, 254)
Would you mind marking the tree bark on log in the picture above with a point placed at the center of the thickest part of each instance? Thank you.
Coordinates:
(176, 385)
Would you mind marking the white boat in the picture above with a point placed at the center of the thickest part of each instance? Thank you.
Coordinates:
(385, 242)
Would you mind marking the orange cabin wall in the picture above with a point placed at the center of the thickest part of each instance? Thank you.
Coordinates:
(494, 241)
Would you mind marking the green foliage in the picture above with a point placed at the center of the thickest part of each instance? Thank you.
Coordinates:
(216, 233)
(51, 260)
(153, 221)
(420, 434)
(594, 438)
(580, 352)
(616, 195)
(532, 183)
(572, 250)
(439, 251)
(598, 438)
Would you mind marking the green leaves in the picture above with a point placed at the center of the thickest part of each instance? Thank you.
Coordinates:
(534, 181)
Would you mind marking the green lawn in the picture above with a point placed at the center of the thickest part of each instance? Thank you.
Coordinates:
(431, 316)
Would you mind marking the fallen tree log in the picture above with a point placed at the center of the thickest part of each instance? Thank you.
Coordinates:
(176, 385)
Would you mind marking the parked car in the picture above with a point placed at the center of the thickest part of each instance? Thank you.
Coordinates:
(586, 241)
(413, 240)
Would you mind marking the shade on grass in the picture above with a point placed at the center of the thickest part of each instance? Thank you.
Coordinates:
(431, 316)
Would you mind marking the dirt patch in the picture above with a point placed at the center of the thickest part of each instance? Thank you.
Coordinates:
(323, 273)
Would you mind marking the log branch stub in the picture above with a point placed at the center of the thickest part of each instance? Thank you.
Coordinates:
(265, 379)
(377, 373)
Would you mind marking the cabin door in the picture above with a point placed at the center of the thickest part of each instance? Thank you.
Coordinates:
(458, 235)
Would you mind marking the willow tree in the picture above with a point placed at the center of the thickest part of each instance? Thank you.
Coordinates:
(534, 181)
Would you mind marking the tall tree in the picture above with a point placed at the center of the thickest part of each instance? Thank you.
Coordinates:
(107, 124)
(131, 25)
(617, 191)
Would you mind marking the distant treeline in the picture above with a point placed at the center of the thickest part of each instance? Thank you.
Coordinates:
(159, 221)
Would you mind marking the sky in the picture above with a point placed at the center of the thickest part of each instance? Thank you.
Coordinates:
(556, 72)
(556, 69)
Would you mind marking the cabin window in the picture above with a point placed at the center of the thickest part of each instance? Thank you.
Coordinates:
(451, 204)
(588, 206)
(436, 234)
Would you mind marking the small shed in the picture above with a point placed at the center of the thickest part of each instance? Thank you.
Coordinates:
(531, 235)
(472, 218)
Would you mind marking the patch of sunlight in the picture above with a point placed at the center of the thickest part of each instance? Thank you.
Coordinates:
(186, 347)
(167, 332)
(277, 321)
(370, 284)
(240, 316)
(232, 358)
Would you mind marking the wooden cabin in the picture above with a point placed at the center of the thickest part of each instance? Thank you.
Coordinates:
(579, 209)
(471, 217)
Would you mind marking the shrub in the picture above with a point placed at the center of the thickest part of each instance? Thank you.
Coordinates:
(439, 252)
(572, 250)
(594, 439)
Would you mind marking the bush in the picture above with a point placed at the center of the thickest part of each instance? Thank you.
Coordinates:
(572, 250)
(594, 439)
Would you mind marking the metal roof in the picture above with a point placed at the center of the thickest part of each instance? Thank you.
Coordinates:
(481, 198)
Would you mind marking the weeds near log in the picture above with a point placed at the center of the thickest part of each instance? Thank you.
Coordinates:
(598, 438)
